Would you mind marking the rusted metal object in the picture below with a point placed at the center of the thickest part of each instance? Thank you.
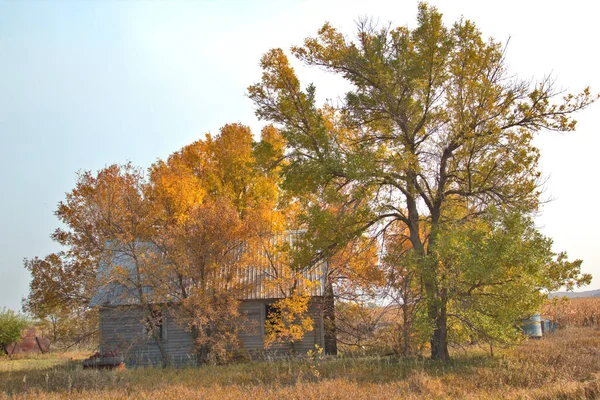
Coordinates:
(108, 360)
(30, 343)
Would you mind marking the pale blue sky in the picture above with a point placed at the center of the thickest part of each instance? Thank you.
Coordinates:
(84, 84)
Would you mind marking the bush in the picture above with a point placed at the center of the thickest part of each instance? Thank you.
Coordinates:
(11, 325)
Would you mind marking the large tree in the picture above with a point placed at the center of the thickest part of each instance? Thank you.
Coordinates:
(209, 200)
(433, 130)
(178, 231)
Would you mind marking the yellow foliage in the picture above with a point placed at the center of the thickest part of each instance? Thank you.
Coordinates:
(288, 320)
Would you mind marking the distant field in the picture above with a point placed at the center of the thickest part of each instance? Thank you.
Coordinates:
(564, 365)
(578, 312)
(574, 295)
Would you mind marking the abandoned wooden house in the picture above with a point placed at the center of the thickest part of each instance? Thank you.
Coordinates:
(122, 329)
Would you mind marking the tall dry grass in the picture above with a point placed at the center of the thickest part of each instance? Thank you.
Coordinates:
(564, 365)
(573, 312)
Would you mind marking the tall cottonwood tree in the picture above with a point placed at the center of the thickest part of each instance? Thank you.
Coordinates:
(433, 129)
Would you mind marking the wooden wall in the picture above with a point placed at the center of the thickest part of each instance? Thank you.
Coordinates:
(253, 338)
(121, 328)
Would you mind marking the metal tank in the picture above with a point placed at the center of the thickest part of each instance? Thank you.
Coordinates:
(548, 326)
(532, 326)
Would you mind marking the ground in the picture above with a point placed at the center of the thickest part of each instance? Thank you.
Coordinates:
(564, 365)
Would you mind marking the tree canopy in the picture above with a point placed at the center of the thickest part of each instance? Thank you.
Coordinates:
(179, 228)
(433, 133)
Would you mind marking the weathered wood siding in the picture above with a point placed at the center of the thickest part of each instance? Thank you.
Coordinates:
(308, 342)
(122, 328)
(253, 336)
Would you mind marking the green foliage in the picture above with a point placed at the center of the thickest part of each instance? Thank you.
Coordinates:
(497, 270)
(433, 132)
(11, 325)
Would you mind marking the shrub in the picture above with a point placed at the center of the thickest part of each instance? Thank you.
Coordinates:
(11, 325)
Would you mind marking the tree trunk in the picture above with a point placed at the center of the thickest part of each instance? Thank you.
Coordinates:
(436, 313)
(439, 340)
(198, 349)
(330, 341)
(405, 330)
(54, 322)
(154, 325)
(437, 297)
(166, 362)
(202, 350)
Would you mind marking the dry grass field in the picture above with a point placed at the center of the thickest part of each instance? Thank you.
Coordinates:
(565, 365)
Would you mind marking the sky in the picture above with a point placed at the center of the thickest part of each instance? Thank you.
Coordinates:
(85, 84)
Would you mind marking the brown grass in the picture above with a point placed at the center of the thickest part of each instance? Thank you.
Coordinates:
(565, 365)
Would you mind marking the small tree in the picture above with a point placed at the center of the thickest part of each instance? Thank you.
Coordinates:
(204, 253)
(11, 325)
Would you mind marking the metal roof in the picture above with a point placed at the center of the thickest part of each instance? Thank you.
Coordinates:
(262, 280)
